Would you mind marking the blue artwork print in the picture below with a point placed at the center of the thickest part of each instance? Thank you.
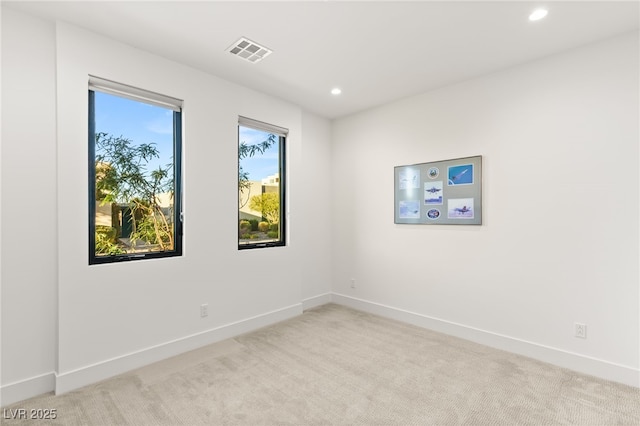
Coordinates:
(460, 175)
(433, 214)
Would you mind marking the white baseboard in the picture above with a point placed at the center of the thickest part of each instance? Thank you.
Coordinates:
(315, 301)
(67, 381)
(572, 361)
(28, 388)
(70, 380)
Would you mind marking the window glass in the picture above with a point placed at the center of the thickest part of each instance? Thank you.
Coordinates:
(260, 187)
(135, 179)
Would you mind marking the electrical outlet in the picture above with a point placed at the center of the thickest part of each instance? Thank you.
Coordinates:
(581, 330)
(204, 310)
(353, 283)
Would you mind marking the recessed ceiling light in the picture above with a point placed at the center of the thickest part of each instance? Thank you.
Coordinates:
(336, 91)
(538, 14)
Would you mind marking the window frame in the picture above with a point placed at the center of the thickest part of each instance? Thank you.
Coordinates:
(143, 96)
(282, 134)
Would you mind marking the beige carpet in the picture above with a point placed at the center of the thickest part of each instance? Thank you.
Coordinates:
(336, 366)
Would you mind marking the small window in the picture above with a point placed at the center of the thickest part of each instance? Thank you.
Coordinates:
(134, 173)
(261, 184)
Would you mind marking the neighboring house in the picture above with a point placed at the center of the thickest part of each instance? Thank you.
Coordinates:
(267, 185)
(118, 215)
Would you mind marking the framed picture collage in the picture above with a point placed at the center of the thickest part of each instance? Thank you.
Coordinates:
(447, 192)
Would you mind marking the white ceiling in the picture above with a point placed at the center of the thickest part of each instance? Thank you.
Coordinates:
(375, 51)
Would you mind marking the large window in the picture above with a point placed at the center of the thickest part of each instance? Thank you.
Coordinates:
(261, 184)
(134, 173)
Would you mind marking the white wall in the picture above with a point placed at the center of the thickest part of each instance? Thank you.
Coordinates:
(313, 222)
(559, 243)
(29, 252)
(69, 323)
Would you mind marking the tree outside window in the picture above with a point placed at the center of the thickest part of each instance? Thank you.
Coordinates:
(135, 179)
(260, 186)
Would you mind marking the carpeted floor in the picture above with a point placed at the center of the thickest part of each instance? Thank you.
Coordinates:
(336, 366)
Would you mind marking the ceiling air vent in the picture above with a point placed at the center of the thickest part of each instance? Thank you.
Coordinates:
(249, 50)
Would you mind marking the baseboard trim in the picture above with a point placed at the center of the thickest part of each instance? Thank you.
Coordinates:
(28, 388)
(569, 360)
(67, 381)
(315, 301)
(70, 380)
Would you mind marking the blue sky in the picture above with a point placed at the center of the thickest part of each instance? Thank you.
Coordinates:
(144, 123)
(137, 121)
(261, 165)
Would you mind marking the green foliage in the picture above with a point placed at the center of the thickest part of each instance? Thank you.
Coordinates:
(274, 227)
(146, 227)
(263, 226)
(121, 172)
(272, 234)
(249, 236)
(245, 151)
(254, 224)
(106, 242)
(245, 226)
(122, 177)
(268, 204)
(107, 231)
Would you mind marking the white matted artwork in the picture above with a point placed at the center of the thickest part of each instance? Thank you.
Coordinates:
(409, 179)
(460, 208)
(409, 209)
(433, 192)
(455, 185)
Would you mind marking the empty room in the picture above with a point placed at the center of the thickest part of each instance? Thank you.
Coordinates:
(320, 212)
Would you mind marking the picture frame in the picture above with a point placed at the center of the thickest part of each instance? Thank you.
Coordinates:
(445, 192)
